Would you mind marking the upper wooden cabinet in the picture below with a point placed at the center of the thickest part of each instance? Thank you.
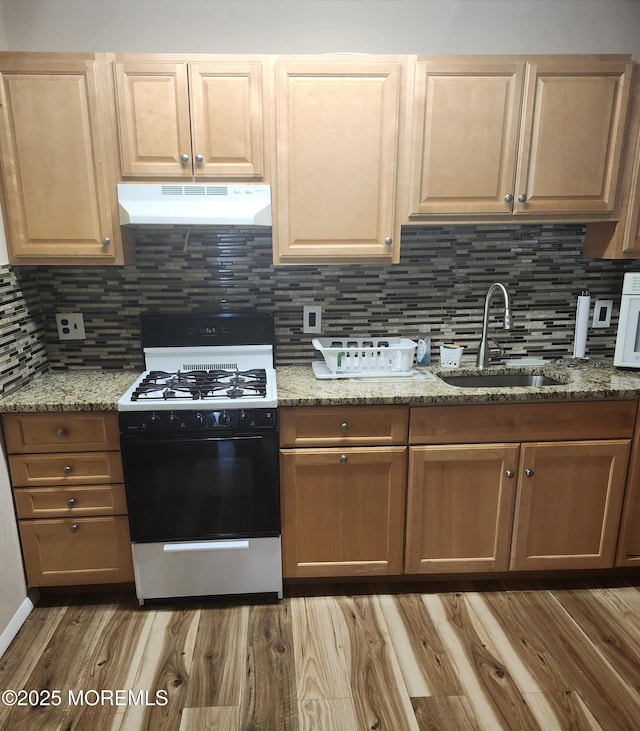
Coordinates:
(620, 239)
(59, 190)
(501, 137)
(201, 119)
(337, 136)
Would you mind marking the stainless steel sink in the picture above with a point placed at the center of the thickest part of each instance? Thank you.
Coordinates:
(498, 380)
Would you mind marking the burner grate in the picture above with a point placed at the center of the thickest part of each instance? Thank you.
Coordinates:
(202, 385)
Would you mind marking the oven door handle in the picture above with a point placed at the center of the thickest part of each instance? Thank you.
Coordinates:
(233, 545)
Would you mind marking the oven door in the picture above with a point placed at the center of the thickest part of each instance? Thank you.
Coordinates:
(198, 487)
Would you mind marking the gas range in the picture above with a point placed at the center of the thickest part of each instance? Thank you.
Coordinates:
(199, 445)
(222, 376)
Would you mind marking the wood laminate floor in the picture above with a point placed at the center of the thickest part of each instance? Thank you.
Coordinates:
(535, 655)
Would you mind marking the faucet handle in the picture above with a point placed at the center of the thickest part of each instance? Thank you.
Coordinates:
(496, 352)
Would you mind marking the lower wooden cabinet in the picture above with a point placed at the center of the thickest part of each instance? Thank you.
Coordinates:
(516, 502)
(543, 491)
(569, 503)
(460, 508)
(343, 511)
(66, 473)
(72, 551)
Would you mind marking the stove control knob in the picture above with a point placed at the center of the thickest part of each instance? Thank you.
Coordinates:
(243, 418)
(174, 419)
(199, 419)
(154, 421)
(224, 418)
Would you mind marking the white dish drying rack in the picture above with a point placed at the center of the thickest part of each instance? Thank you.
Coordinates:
(363, 357)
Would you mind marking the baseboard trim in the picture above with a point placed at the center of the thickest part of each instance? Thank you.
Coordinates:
(18, 619)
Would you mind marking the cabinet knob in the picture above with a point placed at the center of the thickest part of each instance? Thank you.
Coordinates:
(199, 159)
(343, 459)
(528, 472)
(344, 426)
(74, 527)
(522, 198)
(509, 473)
(62, 433)
(388, 241)
(106, 241)
(508, 198)
(184, 158)
(66, 470)
(71, 502)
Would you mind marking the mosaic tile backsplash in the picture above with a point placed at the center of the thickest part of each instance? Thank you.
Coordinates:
(23, 351)
(442, 280)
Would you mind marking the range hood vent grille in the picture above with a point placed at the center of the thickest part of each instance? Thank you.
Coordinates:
(194, 204)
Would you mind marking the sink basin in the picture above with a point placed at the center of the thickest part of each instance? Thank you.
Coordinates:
(499, 380)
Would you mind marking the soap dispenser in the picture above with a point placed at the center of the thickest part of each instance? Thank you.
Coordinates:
(423, 354)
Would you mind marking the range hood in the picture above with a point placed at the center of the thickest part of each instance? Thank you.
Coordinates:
(194, 204)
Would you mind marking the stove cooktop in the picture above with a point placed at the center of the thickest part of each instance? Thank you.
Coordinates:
(198, 389)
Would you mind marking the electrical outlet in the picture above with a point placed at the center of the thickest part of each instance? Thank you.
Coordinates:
(70, 326)
(312, 319)
(602, 313)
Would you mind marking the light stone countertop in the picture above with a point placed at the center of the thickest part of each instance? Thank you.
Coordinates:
(99, 390)
(586, 380)
(70, 390)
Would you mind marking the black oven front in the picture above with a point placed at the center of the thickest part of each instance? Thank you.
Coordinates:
(187, 482)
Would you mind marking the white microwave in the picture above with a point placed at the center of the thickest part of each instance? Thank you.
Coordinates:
(627, 353)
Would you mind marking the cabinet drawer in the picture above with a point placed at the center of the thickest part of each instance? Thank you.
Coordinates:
(68, 502)
(522, 422)
(349, 425)
(61, 432)
(63, 552)
(84, 468)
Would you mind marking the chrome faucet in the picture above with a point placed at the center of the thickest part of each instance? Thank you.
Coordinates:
(483, 351)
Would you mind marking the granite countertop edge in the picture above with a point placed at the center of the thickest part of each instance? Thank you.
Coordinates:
(99, 390)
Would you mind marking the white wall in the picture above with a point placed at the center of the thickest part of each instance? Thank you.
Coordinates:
(14, 605)
(318, 26)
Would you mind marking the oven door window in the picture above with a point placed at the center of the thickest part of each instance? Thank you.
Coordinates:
(182, 488)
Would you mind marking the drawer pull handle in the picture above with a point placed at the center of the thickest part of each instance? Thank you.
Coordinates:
(343, 459)
(66, 470)
(509, 473)
(62, 432)
(344, 426)
(71, 502)
(74, 527)
(528, 472)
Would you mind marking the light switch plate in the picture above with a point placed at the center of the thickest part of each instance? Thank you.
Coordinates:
(602, 313)
(312, 319)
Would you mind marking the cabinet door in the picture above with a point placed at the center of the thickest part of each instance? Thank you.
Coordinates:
(65, 552)
(631, 236)
(568, 505)
(460, 508)
(571, 137)
(54, 161)
(343, 511)
(227, 119)
(153, 118)
(336, 151)
(465, 134)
